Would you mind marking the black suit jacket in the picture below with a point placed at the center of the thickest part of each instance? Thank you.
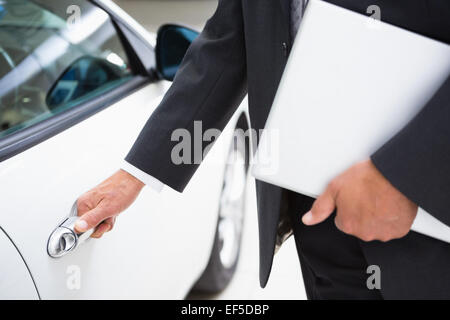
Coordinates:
(244, 48)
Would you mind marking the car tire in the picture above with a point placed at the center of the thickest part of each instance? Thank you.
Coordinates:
(227, 242)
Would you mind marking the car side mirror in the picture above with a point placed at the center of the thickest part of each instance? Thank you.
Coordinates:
(171, 45)
(83, 76)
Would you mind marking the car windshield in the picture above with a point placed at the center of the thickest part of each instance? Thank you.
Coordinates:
(54, 55)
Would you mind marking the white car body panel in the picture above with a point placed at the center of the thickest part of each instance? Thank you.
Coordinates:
(159, 246)
(15, 280)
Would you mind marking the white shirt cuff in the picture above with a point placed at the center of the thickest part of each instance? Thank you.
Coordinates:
(144, 177)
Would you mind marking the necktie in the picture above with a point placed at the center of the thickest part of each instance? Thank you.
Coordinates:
(297, 8)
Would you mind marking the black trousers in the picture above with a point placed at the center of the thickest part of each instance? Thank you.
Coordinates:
(332, 262)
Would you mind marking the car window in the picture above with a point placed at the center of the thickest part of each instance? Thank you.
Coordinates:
(54, 55)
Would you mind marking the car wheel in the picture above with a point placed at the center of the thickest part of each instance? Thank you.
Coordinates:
(227, 243)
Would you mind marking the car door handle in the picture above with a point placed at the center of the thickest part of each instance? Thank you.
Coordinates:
(64, 238)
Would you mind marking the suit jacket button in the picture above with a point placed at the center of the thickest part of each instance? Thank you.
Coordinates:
(285, 48)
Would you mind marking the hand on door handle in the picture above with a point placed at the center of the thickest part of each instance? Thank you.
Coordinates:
(99, 207)
(64, 238)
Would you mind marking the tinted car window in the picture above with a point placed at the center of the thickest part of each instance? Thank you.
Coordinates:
(54, 55)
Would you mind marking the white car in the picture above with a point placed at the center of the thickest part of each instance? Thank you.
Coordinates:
(78, 80)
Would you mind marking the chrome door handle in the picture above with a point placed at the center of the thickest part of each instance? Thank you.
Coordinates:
(64, 238)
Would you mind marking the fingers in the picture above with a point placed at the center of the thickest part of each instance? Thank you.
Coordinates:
(322, 208)
(107, 200)
(83, 204)
(104, 227)
(92, 218)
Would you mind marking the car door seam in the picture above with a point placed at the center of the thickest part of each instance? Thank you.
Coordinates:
(23, 259)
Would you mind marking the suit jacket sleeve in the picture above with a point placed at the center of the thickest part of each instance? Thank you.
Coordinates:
(417, 160)
(209, 86)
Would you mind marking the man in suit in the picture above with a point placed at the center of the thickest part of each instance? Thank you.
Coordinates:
(243, 49)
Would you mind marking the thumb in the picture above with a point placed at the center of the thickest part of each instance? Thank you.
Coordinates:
(91, 219)
(322, 208)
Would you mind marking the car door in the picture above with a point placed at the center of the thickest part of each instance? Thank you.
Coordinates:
(73, 99)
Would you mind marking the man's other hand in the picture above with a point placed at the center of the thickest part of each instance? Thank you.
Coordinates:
(99, 207)
(368, 206)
